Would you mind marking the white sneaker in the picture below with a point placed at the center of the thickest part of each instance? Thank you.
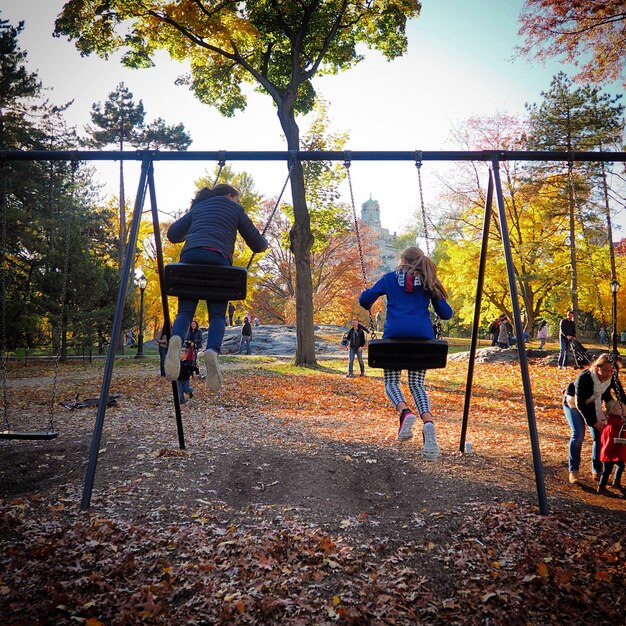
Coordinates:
(213, 370)
(430, 451)
(172, 358)
(406, 426)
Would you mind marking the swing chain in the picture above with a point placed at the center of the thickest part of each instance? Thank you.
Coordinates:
(292, 163)
(418, 165)
(4, 270)
(66, 256)
(221, 163)
(570, 168)
(347, 162)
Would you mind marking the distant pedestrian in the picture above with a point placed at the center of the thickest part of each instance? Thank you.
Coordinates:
(567, 332)
(231, 313)
(356, 342)
(378, 321)
(542, 334)
(162, 343)
(246, 337)
(503, 333)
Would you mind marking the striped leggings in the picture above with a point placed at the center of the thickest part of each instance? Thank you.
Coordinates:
(416, 387)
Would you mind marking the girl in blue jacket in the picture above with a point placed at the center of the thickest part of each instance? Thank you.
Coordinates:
(410, 288)
(209, 230)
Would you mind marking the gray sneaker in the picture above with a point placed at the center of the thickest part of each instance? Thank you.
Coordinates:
(172, 358)
(406, 425)
(213, 370)
(430, 451)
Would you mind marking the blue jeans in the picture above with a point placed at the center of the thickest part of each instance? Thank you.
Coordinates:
(217, 310)
(578, 425)
(564, 344)
(359, 355)
(244, 344)
(184, 387)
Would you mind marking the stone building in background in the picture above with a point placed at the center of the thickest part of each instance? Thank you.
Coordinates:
(386, 243)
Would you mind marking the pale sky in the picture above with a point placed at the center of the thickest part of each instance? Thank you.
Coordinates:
(460, 63)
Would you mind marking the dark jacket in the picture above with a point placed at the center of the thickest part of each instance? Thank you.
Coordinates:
(187, 369)
(213, 224)
(567, 328)
(195, 336)
(246, 329)
(582, 390)
(356, 337)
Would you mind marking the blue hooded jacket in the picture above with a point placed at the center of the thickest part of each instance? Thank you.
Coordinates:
(407, 311)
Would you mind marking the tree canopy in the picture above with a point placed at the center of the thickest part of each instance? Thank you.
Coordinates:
(588, 33)
(276, 45)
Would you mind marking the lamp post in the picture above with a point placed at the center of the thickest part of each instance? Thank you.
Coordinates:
(614, 289)
(141, 282)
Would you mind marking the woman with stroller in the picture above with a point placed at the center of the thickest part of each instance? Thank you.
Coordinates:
(583, 401)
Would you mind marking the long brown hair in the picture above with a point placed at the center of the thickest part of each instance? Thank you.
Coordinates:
(211, 192)
(414, 261)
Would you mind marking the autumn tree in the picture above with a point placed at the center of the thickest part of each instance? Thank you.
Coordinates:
(587, 33)
(540, 264)
(335, 267)
(117, 122)
(575, 119)
(279, 46)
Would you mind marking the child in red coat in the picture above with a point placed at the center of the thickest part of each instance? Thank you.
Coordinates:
(611, 453)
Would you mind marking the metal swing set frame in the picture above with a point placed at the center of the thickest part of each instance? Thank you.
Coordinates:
(146, 186)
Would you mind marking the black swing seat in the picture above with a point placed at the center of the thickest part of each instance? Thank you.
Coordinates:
(214, 283)
(30, 435)
(407, 354)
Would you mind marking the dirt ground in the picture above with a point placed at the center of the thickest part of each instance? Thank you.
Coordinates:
(312, 450)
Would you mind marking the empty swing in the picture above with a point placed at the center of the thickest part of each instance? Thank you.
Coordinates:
(406, 353)
(192, 281)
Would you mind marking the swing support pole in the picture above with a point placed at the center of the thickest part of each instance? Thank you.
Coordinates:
(479, 297)
(117, 327)
(166, 310)
(521, 343)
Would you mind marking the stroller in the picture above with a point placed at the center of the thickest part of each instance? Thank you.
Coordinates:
(580, 354)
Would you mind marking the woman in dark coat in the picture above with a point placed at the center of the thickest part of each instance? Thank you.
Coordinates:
(583, 404)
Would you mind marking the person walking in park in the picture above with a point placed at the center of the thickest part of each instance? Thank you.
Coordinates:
(567, 332)
(194, 336)
(583, 407)
(162, 343)
(542, 334)
(356, 343)
(503, 333)
(231, 313)
(246, 337)
(410, 289)
(209, 230)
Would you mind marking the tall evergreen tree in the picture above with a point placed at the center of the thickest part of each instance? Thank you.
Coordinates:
(117, 122)
(575, 119)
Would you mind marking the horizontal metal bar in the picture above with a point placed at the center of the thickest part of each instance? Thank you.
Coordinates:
(287, 155)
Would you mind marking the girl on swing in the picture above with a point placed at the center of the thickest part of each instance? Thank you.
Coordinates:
(209, 231)
(410, 288)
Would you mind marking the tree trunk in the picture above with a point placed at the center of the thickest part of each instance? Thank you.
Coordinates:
(301, 241)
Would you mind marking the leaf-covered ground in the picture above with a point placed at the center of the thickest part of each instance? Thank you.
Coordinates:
(293, 503)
